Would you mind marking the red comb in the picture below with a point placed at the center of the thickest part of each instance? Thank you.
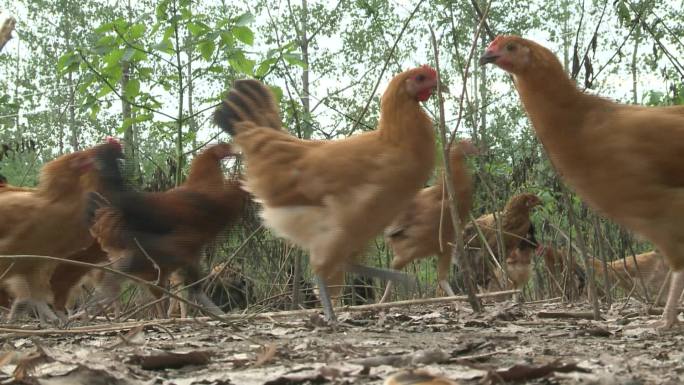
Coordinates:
(114, 141)
(431, 70)
(495, 42)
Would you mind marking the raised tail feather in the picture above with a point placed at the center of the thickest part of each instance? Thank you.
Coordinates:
(111, 178)
(248, 100)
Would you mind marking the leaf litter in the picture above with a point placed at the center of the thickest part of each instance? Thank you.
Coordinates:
(508, 343)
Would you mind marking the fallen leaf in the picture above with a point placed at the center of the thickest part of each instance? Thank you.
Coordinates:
(170, 360)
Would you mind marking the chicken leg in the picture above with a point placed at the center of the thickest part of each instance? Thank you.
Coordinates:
(671, 307)
(328, 310)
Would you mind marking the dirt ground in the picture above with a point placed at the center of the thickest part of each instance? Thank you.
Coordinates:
(364, 348)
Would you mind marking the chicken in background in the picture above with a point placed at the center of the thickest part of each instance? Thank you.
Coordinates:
(555, 261)
(515, 225)
(332, 197)
(153, 234)
(226, 286)
(518, 265)
(425, 228)
(651, 268)
(47, 220)
(624, 160)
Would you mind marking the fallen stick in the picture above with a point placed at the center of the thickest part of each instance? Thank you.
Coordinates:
(112, 327)
(570, 315)
(373, 306)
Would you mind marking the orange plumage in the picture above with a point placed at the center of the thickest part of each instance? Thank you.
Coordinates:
(48, 220)
(512, 227)
(171, 228)
(425, 227)
(332, 197)
(624, 160)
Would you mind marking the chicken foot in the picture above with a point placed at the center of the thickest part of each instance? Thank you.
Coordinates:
(39, 308)
(368, 271)
(670, 313)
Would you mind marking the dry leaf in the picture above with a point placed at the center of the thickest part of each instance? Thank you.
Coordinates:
(26, 365)
(171, 360)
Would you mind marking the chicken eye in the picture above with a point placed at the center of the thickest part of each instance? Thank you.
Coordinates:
(420, 78)
(510, 47)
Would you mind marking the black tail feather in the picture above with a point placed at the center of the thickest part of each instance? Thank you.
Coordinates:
(249, 100)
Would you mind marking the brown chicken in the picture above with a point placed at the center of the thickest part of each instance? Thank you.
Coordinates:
(515, 225)
(332, 197)
(170, 228)
(651, 268)
(67, 278)
(518, 263)
(46, 221)
(624, 160)
(415, 233)
(555, 262)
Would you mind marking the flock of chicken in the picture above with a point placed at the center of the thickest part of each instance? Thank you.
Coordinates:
(332, 197)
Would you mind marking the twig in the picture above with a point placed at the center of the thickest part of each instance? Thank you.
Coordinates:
(384, 68)
(377, 306)
(573, 315)
(116, 272)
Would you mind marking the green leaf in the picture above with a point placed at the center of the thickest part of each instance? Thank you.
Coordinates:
(244, 34)
(294, 59)
(241, 64)
(164, 46)
(144, 72)
(106, 27)
(161, 10)
(136, 31)
(113, 57)
(227, 39)
(139, 118)
(66, 61)
(278, 92)
(265, 66)
(216, 69)
(104, 91)
(245, 19)
(197, 29)
(128, 54)
(106, 41)
(132, 88)
(623, 12)
(207, 49)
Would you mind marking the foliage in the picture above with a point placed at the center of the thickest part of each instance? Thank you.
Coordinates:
(75, 67)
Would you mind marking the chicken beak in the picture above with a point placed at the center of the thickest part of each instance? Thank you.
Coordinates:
(488, 57)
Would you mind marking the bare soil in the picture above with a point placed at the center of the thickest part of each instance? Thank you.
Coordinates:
(364, 348)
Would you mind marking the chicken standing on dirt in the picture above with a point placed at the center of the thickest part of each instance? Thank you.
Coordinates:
(425, 228)
(650, 268)
(47, 220)
(515, 225)
(170, 228)
(624, 160)
(332, 197)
